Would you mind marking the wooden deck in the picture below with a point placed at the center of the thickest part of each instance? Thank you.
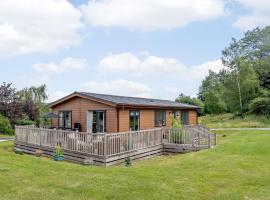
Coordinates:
(112, 148)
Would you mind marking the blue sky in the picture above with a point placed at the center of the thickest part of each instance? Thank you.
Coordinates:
(145, 48)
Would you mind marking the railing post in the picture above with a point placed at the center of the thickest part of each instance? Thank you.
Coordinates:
(26, 137)
(105, 145)
(86, 142)
(209, 140)
(39, 137)
(215, 139)
(199, 139)
(162, 135)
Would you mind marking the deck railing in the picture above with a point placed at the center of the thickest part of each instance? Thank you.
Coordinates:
(113, 144)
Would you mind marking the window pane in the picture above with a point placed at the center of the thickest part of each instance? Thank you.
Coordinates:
(134, 120)
(65, 119)
(185, 117)
(68, 119)
(61, 120)
(160, 118)
(164, 118)
(100, 120)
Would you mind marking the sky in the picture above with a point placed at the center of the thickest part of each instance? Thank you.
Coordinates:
(142, 48)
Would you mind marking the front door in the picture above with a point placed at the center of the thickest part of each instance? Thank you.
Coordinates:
(96, 121)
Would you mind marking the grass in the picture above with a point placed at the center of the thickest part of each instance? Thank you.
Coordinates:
(6, 136)
(237, 169)
(230, 121)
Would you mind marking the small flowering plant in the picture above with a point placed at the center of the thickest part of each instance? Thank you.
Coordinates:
(58, 153)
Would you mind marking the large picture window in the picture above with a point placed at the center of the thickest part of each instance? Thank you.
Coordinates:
(134, 120)
(65, 119)
(160, 118)
(96, 121)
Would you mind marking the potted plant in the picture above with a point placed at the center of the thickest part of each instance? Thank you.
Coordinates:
(58, 153)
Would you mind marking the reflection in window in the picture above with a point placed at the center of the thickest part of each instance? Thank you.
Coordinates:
(65, 119)
(160, 118)
(134, 120)
(185, 117)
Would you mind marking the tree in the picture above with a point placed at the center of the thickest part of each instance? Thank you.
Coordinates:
(193, 101)
(33, 99)
(255, 45)
(10, 105)
(241, 85)
(211, 92)
(254, 48)
(260, 105)
(263, 71)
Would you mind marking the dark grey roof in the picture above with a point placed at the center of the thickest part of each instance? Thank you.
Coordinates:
(50, 115)
(122, 100)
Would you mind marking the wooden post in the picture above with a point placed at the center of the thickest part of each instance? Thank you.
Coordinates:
(26, 137)
(209, 140)
(39, 137)
(105, 145)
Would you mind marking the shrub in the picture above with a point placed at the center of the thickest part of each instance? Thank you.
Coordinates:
(5, 126)
(260, 106)
(58, 151)
(175, 122)
(24, 122)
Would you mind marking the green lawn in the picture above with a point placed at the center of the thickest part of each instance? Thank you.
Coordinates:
(230, 121)
(239, 168)
(5, 136)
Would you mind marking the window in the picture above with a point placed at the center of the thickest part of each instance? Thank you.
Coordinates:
(160, 118)
(185, 117)
(65, 119)
(134, 120)
(96, 121)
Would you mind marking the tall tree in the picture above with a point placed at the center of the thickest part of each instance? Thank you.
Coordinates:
(10, 105)
(33, 99)
(254, 47)
(211, 92)
(242, 86)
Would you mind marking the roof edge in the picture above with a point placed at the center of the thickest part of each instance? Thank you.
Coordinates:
(77, 94)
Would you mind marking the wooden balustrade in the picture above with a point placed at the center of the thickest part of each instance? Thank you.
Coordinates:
(108, 145)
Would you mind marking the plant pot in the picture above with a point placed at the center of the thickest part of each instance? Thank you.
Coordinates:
(58, 158)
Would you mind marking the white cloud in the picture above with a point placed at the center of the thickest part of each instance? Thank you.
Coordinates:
(57, 95)
(171, 89)
(66, 64)
(260, 15)
(151, 14)
(130, 64)
(21, 81)
(118, 87)
(37, 26)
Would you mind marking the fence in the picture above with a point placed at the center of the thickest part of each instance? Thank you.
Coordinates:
(112, 147)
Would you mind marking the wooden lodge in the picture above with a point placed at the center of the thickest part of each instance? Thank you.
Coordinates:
(99, 113)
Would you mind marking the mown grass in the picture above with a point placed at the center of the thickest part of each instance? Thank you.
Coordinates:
(237, 169)
(6, 136)
(231, 121)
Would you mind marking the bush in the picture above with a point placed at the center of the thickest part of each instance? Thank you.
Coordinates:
(5, 126)
(260, 106)
(24, 122)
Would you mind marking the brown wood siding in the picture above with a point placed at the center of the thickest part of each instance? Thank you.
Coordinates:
(193, 117)
(168, 118)
(80, 107)
(123, 120)
(147, 117)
